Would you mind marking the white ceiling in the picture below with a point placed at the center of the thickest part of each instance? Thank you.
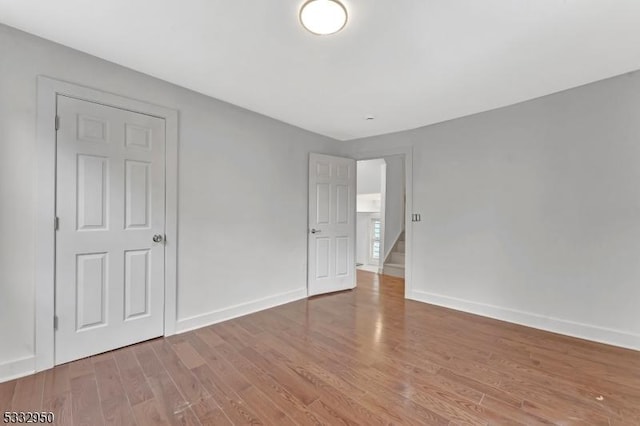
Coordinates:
(407, 62)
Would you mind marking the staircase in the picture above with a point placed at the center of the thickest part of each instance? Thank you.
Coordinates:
(394, 263)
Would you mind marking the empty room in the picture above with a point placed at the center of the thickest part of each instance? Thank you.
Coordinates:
(320, 212)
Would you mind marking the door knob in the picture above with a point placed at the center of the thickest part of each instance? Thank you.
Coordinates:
(157, 238)
(316, 231)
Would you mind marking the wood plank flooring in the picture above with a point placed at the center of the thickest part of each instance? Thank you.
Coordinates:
(359, 357)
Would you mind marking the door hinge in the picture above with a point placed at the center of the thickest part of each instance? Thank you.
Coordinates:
(55, 322)
(57, 122)
(56, 223)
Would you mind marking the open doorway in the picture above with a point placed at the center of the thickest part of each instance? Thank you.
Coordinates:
(370, 215)
(380, 222)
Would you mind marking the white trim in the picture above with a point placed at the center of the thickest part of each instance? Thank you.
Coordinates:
(555, 325)
(17, 368)
(407, 151)
(48, 90)
(224, 314)
(383, 212)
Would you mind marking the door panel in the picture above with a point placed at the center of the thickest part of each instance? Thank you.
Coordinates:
(92, 129)
(137, 194)
(136, 282)
(342, 256)
(91, 282)
(110, 185)
(332, 211)
(92, 192)
(138, 137)
(342, 204)
(323, 205)
(322, 257)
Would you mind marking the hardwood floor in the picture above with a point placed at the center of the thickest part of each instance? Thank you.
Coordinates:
(361, 357)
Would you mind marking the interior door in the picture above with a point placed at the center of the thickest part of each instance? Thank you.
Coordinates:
(332, 224)
(110, 203)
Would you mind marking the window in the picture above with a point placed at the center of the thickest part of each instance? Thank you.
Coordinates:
(375, 240)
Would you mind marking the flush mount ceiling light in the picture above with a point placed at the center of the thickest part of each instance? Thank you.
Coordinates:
(323, 17)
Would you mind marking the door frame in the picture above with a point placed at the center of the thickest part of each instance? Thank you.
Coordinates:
(407, 152)
(383, 214)
(48, 90)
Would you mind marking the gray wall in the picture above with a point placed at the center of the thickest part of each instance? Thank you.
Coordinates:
(242, 190)
(370, 176)
(531, 213)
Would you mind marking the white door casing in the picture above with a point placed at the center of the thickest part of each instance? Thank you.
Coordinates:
(332, 224)
(110, 202)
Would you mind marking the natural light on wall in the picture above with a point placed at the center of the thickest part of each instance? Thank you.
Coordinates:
(323, 17)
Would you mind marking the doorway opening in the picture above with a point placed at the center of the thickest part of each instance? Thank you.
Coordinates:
(380, 211)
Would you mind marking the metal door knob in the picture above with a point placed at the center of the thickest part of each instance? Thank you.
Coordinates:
(157, 238)
(316, 231)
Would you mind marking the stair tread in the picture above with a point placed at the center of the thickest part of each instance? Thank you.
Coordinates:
(394, 265)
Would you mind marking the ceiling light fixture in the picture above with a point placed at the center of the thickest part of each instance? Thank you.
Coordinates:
(323, 17)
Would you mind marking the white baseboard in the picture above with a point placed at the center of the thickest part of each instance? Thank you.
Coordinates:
(583, 331)
(17, 368)
(239, 310)
(368, 268)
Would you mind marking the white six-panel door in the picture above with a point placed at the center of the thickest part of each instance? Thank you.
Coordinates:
(332, 213)
(110, 203)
